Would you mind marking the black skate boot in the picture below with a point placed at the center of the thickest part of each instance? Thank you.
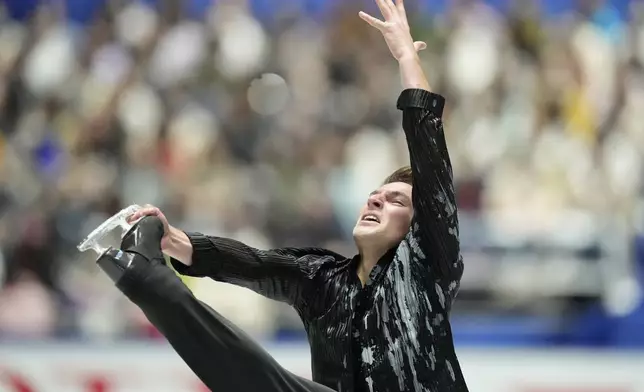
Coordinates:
(140, 245)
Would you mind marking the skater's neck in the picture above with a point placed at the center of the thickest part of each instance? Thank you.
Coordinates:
(369, 257)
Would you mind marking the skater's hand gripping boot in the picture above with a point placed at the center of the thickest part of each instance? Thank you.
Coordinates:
(141, 245)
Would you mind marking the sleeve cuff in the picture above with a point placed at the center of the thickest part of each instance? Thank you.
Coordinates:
(421, 99)
(203, 262)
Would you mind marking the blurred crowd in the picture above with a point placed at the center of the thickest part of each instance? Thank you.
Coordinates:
(272, 129)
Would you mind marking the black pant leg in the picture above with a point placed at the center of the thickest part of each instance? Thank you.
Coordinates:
(224, 357)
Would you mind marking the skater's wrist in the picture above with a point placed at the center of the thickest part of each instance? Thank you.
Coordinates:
(178, 246)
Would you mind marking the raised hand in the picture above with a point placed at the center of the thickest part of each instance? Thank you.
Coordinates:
(395, 28)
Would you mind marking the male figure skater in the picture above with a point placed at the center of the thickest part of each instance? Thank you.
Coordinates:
(375, 322)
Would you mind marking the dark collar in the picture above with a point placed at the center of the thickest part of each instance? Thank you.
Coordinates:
(378, 269)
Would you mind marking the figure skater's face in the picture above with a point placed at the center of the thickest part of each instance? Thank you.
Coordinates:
(385, 218)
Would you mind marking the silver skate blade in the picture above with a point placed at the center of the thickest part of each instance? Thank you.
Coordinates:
(117, 220)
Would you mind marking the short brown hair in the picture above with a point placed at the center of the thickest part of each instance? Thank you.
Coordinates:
(401, 175)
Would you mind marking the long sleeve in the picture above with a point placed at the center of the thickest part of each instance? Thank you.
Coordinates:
(284, 275)
(435, 224)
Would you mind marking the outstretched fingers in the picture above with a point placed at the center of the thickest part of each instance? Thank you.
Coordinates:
(375, 22)
(387, 8)
(400, 7)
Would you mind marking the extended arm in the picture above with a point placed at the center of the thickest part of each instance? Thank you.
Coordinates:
(435, 223)
(279, 274)
(433, 236)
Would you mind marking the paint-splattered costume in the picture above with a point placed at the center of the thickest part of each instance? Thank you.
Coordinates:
(393, 335)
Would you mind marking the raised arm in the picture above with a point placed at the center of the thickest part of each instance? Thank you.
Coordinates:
(435, 223)
(434, 232)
